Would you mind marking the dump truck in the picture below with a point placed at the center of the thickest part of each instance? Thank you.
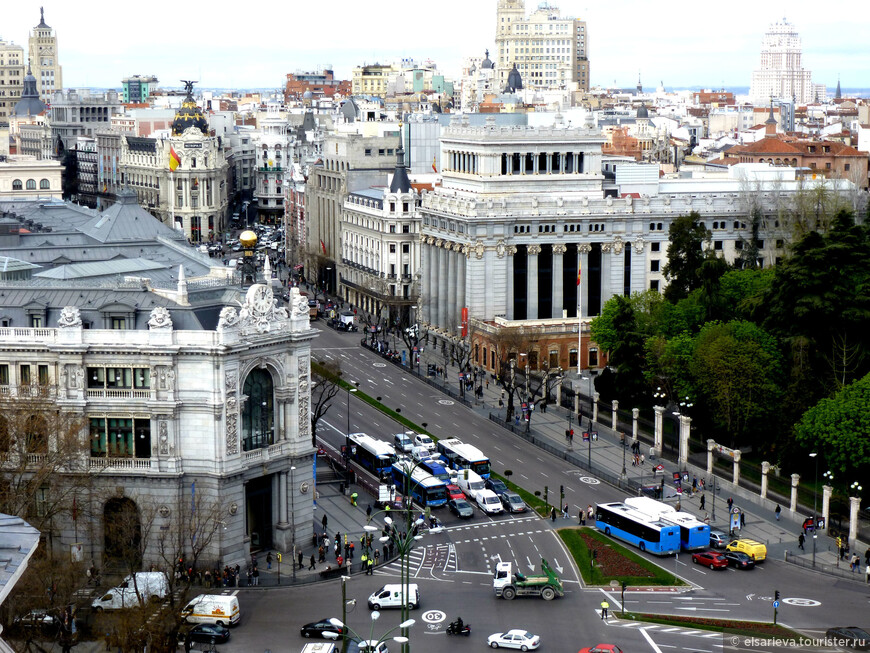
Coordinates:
(508, 585)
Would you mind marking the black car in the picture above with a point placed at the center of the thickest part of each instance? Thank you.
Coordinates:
(461, 508)
(850, 636)
(208, 634)
(318, 628)
(739, 560)
(496, 486)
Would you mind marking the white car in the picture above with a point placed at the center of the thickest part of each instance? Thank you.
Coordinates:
(421, 440)
(489, 501)
(521, 639)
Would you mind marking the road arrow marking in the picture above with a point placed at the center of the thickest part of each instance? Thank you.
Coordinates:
(749, 597)
(531, 566)
(557, 566)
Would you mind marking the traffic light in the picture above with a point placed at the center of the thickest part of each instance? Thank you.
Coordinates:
(562, 490)
(776, 595)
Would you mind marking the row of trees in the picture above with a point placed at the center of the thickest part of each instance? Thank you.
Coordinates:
(753, 349)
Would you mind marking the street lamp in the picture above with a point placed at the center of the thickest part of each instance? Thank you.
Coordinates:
(370, 645)
(347, 436)
(815, 456)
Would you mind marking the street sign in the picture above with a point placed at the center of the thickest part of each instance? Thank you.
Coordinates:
(594, 435)
(660, 468)
(585, 436)
(776, 604)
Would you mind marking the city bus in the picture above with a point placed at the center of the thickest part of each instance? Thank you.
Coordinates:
(464, 456)
(646, 533)
(426, 490)
(694, 533)
(436, 468)
(374, 455)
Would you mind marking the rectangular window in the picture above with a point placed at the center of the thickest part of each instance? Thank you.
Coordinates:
(24, 375)
(4, 375)
(655, 247)
(406, 248)
(392, 228)
(406, 228)
(42, 374)
(36, 321)
(654, 285)
(717, 245)
(392, 248)
(654, 265)
(119, 323)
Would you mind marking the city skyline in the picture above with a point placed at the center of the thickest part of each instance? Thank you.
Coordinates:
(177, 41)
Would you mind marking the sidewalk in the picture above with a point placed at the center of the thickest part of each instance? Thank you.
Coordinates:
(605, 459)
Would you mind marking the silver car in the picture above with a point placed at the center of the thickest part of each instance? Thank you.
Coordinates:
(513, 502)
(718, 539)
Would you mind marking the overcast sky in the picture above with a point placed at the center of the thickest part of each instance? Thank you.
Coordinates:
(243, 45)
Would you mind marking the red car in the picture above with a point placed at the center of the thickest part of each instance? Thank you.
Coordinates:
(453, 492)
(601, 648)
(711, 559)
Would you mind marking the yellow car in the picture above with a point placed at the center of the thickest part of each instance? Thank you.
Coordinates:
(755, 550)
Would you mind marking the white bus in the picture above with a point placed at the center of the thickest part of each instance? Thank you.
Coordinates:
(694, 533)
(375, 455)
(464, 456)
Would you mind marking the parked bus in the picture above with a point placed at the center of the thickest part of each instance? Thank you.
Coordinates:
(421, 486)
(464, 456)
(694, 533)
(637, 528)
(374, 455)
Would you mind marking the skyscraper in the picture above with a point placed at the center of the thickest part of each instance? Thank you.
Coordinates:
(11, 78)
(549, 51)
(44, 61)
(780, 74)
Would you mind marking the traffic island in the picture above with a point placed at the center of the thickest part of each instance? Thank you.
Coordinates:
(602, 561)
(758, 629)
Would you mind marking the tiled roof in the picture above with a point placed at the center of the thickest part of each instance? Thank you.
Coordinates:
(765, 146)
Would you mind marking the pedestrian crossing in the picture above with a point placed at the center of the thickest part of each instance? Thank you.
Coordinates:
(423, 560)
(659, 628)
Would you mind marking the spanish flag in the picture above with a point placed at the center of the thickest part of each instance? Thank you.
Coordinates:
(578, 274)
(434, 167)
(174, 159)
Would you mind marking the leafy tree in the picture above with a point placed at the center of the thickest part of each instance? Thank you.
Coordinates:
(742, 292)
(709, 294)
(839, 428)
(685, 255)
(627, 354)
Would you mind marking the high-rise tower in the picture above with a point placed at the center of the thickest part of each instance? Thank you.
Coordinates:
(44, 61)
(12, 67)
(780, 74)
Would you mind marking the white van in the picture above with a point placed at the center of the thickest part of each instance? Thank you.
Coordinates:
(390, 596)
(403, 442)
(470, 483)
(213, 609)
(151, 585)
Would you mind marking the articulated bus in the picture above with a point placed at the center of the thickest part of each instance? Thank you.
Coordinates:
(375, 455)
(464, 456)
(694, 533)
(645, 532)
(426, 490)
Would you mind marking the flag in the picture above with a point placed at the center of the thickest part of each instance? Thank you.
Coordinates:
(434, 167)
(578, 274)
(75, 509)
(174, 159)
(323, 247)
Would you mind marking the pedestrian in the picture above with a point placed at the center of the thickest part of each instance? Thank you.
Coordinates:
(605, 606)
(582, 517)
(867, 557)
(386, 553)
(323, 521)
(553, 514)
(377, 556)
(730, 503)
(742, 519)
(703, 501)
(801, 539)
(855, 563)
(590, 512)
(351, 549)
(867, 574)
(371, 567)
(642, 459)
(565, 512)
(339, 561)
(335, 550)
(311, 563)
(269, 560)
(369, 511)
(256, 574)
(777, 512)
(353, 498)
(299, 558)
(363, 560)
(321, 554)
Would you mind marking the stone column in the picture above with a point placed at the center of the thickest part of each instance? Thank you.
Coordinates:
(827, 491)
(711, 445)
(658, 434)
(452, 273)
(795, 479)
(595, 407)
(282, 498)
(735, 478)
(532, 282)
(854, 506)
(614, 416)
(426, 276)
(765, 470)
(685, 429)
(442, 286)
(577, 403)
(558, 394)
(558, 294)
(635, 414)
(460, 282)
(510, 252)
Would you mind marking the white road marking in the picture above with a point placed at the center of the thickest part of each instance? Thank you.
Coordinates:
(652, 644)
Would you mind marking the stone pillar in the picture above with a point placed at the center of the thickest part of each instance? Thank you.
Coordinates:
(509, 270)
(658, 434)
(736, 471)
(426, 277)
(558, 394)
(460, 283)
(765, 470)
(711, 445)
(452, 309)
(558, 296)
(282, 498)
(577, 403)
(614, 416)
(827, 491)
(595, 407)
(854, 506)
(685, 429)
(532, 282)
(635, 414)
(441, 287)
(795, 479)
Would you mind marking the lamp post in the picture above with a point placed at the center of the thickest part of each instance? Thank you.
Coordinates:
(370, 645)
(347, 436)
(815, 456)
(292, 524)
(622, 441)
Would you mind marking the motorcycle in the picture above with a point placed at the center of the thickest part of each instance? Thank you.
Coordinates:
(454, 629)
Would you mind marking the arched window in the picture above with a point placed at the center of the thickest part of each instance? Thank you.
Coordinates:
(258, 412)
(31, 184)
(16, 184)
(44, 184)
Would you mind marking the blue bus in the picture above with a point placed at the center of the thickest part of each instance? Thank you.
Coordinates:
(426, 490)
(694, 533)
(436, 468)
(464, 456)
(374, 455)
(632, 526)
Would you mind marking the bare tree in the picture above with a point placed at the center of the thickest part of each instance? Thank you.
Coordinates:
(322, 393)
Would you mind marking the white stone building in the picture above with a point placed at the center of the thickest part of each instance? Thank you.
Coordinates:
(780, 73)
(45, 59)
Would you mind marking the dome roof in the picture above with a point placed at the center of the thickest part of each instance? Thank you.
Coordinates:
(29, 104)
(486, 63)
(189, 115)
(642, 111)
(307, 95)
(514, 81)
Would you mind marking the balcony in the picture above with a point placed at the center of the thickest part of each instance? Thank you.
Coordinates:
(264, 454)
(121, 463)
(119, 394)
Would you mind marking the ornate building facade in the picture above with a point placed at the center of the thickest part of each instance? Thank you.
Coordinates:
(45, 59)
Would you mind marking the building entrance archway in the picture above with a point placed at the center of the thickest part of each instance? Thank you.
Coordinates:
(122, 529)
